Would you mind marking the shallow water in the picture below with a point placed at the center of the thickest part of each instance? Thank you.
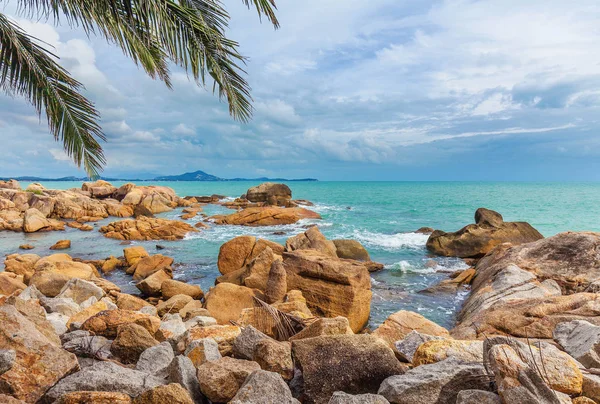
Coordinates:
(381, 215)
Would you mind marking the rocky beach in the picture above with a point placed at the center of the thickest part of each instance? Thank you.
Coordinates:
(283, 322)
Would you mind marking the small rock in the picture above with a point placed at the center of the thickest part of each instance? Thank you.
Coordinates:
(156, 360)
(7, 359)
(26, 247)
(172, 393)
(94, 397)
(61, 245)
(245, 344)
(171, 288)
(220, 380)
(182, 371)
(438, 350)
(407, 347)
(200, 321)
(224, 335)
(89, 346)
(339, 397)
(80, 290)
(203, 350)
(173, 305)
(262, 387)
(131, 341)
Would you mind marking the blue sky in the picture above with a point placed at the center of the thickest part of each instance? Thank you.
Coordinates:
(351, 89)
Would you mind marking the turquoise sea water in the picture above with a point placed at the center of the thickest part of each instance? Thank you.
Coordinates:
(381, 215)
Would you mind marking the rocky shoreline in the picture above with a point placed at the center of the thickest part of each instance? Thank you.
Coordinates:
(286, 323)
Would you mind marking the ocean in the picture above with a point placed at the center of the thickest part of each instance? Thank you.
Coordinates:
(381, 215)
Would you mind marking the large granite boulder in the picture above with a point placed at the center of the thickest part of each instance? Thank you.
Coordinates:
(172, 393)
(476, 240)
(581, 340)
(270, 194)
(145, 228)
(226, 301)
(262, 387)
(311, 239)
(107, 323)
(220, 380)
(400, 324)
(39, 361)
(353, 364)
(265, 216)
(332, 287)
(352, 250)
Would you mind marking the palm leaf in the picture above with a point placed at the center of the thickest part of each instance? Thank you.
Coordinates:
(269, 318)
(29, 70)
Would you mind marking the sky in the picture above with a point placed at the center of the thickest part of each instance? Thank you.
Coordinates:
(505, 90)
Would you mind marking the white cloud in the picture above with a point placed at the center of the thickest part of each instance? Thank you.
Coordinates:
(59, 155)
(183, 129)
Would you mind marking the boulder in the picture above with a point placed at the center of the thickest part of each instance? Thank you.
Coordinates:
(352, 250)
(61, 245)
(64, 306)
(94, 397)
(145, 228)
(364, 361)
(170, 288)
(224, 335)
(245, 343)
(86, 345)
(436, 383)
(148, 265)
(11, 283)
(10, 184)
(21, 264)
(151, 286)
(107, 322)
(34, 220)
(270, 193)
(476, 240)
(171, 328)
(193, 309)
(581, 340)
(258, 270)
(156, 360)
(262, 387)
(477, 397)
(105, 376)
(591, 387)
(130, 302)
(325, 326)
(80, 291)
(398, 325)
(275, 356)
(233, 254)
(173, 305)
(276, 287)
(131, 341)
(226, 301)
(265, 216)
(76, 320)
(339, 397)
(202, 350)
(35, 313)
(172, 393)
(39, 362)
(134, 254)
(182, 371)
(311, 239)
(332, 287)
(111, 264)
(439, 350)
(406, 348)
(220, 380)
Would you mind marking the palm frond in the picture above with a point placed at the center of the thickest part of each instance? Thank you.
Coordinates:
(29, 70)
(271, 320)
(265, 7)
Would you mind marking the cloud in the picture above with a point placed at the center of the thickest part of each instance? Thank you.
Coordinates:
(183, 129)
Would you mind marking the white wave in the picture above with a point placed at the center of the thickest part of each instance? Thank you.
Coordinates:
(321, 207)
(407, 267)
(391, 241)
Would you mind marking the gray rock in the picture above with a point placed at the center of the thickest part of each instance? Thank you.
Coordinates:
(245, 343)
(581, 340)
(209, 346)
(7, 359)
(59, 322)
(80, 290)
(150, 310)
(200, 321)
(591, 387)
(156, 360)
(89, 346)
(109, 303)
(172, 316)
(262, 387)
(65, 306)
(182, 371)
(31, 292)
(86, 362)
(89, 302)
(105, 376)
(407, 347)
(74, 334)
(339, 397)
(175, 327)
(437, 383)
(477, 397)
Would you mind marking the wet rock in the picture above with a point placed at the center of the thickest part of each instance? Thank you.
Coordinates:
(398, 325)
(265, 216)
(352, 250)
(364, 361)
(131, 341)
(182, 371)
(105, 376)
(170, 288)
(39, 362)
(311, 239)
(145, 228)
(476, 240)
(262, 387)
(156, 360)
(220, 380)
(61, 245)
(581, 340)
(226, 301)
(339, 397)
(332, 287)
(436, 383)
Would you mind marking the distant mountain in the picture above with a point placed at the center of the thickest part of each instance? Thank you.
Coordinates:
(195, 176)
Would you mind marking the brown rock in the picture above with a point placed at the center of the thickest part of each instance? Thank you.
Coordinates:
(193, 309)
(88, 312)
(220, 380)
(311, 239)
(224, 335)
(226, 301)
(270, 193)
(35, 313)
(145, 228)
(400, 324)
(111, 264)
(275, 356)
(129, 302)
(355, 364)
(276, 287)
(173, 305)
(61, 245)
(325, 326)
(39, 363)
(332, 287)
(26, 247)
(10, 184)
(352, 250)
(476, 240)
(94, 397)
(257, 271)
(172, 393)
(107, 322)
(131, 341)
(439, 350)
(21, 265)
(266, 216)
(151, 286)
(233, 254)
(149, 265)
(134, 254)
(172, 287)
(10, 283)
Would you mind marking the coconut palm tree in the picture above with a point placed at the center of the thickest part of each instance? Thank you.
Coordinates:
(155, 34)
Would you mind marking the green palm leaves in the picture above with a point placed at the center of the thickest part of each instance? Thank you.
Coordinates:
(153, 33)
